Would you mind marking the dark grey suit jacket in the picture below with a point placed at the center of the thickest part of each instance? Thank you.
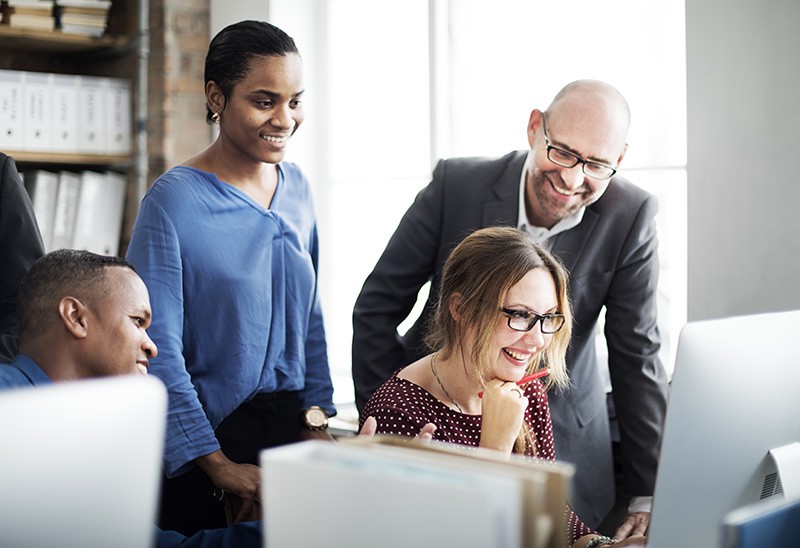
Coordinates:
(612, 258)
(20, 246)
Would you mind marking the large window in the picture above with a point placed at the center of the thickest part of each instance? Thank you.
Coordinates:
(395, 85)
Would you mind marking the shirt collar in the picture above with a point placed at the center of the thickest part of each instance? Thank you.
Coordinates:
(31, 369)
(537, 233)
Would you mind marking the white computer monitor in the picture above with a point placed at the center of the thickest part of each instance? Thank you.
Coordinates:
(80, 463)
(735, 397)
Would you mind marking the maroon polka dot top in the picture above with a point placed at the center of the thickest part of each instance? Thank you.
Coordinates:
(402, 408)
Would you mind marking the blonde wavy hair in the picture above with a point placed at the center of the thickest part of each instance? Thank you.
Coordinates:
(476, 279)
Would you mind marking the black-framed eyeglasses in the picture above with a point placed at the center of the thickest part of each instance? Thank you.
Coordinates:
(565, 158)
(522, 320)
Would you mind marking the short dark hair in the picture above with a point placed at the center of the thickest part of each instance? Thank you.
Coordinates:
(234, 47)
(61, 273)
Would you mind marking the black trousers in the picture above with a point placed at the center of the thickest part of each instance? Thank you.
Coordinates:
(268, 420)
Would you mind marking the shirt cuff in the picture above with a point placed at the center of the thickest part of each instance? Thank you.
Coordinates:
(640, 504)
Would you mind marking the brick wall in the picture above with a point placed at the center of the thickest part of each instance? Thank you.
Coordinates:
(179, 35)
(176, 126)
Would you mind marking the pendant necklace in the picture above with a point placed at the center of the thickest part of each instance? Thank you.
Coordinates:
(446, 393)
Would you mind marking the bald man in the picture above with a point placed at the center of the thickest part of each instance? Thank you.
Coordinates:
(565, 193)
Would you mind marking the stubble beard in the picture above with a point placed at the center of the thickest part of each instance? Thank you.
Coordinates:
(549, 207)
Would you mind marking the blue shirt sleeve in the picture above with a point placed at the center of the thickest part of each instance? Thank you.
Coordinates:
(318, 387)
(238, 535)
(155, 251)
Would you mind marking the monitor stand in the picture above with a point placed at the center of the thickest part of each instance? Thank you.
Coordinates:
(785, 478)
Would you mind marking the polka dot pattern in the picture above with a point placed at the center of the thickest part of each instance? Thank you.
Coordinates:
(402, 408)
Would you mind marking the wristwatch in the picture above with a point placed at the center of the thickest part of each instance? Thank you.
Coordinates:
(314, 418)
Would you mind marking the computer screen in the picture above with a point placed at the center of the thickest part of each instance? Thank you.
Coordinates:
(763, 524)
(80, 463)
(734, 397)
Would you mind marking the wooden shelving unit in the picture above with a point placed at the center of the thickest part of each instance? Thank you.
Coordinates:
(121, 53)
(56, 42)
(77, 159)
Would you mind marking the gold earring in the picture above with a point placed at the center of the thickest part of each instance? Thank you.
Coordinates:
(215, 117)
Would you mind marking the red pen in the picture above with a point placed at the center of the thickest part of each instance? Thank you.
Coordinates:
(527, 378)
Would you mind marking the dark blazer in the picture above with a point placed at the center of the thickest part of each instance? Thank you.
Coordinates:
(20, 245)
(612, 258)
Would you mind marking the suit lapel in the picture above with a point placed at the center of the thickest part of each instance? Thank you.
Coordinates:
(502, 206)
(569, 245)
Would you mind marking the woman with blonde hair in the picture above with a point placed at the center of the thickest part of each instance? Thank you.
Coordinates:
(503, 314)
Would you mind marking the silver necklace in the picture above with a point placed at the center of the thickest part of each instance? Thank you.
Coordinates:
(446, 393)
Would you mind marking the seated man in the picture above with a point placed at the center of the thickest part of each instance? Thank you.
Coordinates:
(85, 316)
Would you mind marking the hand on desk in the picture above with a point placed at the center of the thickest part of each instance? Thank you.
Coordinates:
(631, 542)
(371, 427)
(635, 524)
(240, 484)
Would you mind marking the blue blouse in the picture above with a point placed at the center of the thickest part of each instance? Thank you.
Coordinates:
(233, 288)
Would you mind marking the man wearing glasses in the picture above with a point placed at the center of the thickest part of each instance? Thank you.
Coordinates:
(565, 194)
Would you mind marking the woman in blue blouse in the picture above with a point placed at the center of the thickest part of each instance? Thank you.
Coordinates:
(227, 245)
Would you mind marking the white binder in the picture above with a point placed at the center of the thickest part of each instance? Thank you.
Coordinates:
(37, 108)
(12, 121)
(118, 116)
(65, 113)
(99, 212)
(69, 185)
(42, 187)
(92, 132)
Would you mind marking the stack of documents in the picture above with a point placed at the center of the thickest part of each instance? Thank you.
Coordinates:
(395, 492)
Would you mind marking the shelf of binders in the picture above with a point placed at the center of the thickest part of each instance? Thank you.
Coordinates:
(66, 119)
(56, 41)
(68, 159)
